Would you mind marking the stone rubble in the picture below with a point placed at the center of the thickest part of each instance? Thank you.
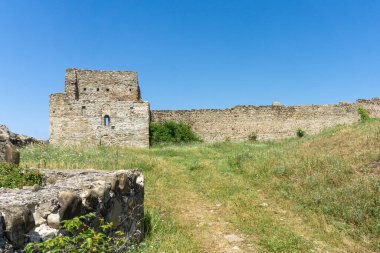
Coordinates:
(34, 214)
(231, 238)
(9, 142)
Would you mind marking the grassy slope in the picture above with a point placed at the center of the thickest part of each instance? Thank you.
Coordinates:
(297, 195)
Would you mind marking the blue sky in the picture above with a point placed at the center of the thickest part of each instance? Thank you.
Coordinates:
(190, 54)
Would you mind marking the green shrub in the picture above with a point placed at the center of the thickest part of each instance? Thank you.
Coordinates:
(253, 137)
(81, 236)
(14, 177)
(171, 132)
(364, 116)
(300, 133)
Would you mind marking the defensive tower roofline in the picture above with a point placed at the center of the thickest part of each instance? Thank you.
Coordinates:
(340, 104)
(95, 70)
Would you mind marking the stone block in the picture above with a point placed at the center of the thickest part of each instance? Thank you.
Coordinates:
(12, 155)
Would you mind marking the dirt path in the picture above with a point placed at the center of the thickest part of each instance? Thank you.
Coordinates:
(208, 225)
(206, 222)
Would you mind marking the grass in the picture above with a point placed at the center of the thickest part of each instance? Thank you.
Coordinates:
(306, 194)
(165, 235)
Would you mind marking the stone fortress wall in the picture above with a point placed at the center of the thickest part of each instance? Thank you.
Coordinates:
(99, 107)
(105, 107)
(268, 122)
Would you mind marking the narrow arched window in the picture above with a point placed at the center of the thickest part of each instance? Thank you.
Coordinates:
(107, 120)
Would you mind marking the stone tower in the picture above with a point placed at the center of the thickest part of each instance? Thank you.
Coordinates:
(99, 107)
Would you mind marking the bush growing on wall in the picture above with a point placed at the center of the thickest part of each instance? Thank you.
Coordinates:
(81, 236)
(14, 177)
(171, 132)
(300, 133)
(253, 137)
(364, 116)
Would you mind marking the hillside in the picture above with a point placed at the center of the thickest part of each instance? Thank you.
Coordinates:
(313, 194)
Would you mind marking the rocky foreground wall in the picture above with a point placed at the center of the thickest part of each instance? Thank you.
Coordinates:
(8, 152)
(34, 213)
(9, 142)
(268, 122)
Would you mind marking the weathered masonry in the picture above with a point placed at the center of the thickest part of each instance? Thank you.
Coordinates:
(105, 107)
(34, 213)
(268, 122)
(99, 107)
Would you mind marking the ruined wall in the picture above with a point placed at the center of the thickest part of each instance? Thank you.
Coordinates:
(9, 152)
(79, 115)
(34, 213)
(269, 122)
